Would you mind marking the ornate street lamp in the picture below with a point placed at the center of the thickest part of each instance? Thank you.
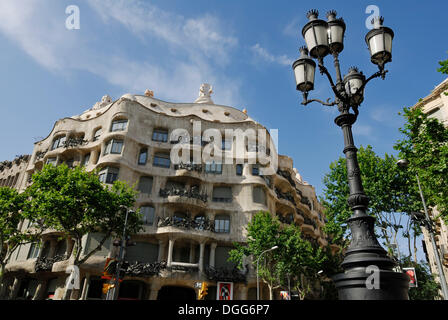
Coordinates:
(364, 253)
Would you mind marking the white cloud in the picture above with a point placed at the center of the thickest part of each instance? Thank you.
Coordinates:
(293, 28)
(267, 56)
(197, 47)
(362, 130)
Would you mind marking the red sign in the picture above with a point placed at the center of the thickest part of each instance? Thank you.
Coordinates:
(225, 291)
(412, 277)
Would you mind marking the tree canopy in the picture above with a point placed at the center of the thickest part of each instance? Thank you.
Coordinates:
(75, 203)
(390, 191)
(425, 146)
(296, 257)
(11, 236)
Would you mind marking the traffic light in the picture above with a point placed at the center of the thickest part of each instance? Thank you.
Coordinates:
(107, 287)
(203, 291)
(109, 268)
(123, 268)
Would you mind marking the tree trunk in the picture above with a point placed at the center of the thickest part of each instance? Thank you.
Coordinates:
(2, 283)
(415, 248)
(271, 292)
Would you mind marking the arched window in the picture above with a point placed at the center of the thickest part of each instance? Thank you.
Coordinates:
(222, 223)
(58, 142)
(97, 134)
(119, 125)
(113, 146)
(108, 174)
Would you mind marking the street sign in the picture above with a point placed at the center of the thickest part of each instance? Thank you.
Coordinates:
(225, 291)
(412, 275)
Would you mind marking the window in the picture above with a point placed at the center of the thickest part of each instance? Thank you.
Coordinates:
(160, 135)
(162, 160)
(222, 224)
(109, 175)
(61, 248)
(70, 162)
(58, 142)
(239, 169)
(226, 145)
(259, 195)
(145, 185)
(213, 168)
(51, 161)
(114, 146)
(34, 251)
(143, 156)
(148, 214)
(86, 159)
(119, 125)
(222, 194)
(255, 170)
(97, 134)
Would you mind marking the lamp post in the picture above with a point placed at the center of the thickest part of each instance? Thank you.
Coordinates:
(112, 295)
(258, 284)
(364, 252)
(403, 163)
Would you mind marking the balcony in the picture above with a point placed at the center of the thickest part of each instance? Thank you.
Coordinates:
(285, 174)
(141, 269)
(193, 193)
(304, 200)
(46, 264)
(187, 223)
(188, 166)
(287, 196)
(74, 142)
(225, 274)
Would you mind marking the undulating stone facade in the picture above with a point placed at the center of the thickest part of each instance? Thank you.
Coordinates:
(193, 213)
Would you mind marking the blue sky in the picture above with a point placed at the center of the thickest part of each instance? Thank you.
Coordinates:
(243, 48)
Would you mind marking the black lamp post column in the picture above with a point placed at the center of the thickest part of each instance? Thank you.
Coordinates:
(368, 270)
(368, 273)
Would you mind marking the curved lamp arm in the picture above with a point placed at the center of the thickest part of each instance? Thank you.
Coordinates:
(306, 101)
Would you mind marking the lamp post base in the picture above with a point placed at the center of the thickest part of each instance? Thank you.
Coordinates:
(359, 284)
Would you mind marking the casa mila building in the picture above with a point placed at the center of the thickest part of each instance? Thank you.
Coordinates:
(192, 212)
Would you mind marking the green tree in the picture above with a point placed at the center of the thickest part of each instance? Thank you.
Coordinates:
(75, 203)
(11, 236)
(443, 66)
(391, 192)
(425, 146)
(427, 288)
(295, 257)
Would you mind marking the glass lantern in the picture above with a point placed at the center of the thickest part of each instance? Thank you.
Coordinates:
(315, 33)
(304, 69)
(336, 30)
(353, 81)
(379, 40)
